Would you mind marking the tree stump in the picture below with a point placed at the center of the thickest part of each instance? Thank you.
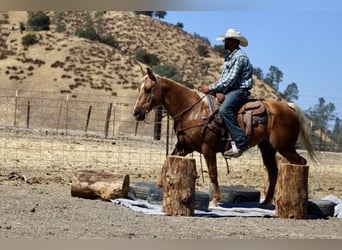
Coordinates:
(280, 159)
(178, 178)
(92, 184)
(291, 194)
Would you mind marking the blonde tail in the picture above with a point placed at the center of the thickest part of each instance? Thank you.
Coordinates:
(304, 134)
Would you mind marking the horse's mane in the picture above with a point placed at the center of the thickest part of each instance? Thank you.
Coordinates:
(179, 84)
(199, 93)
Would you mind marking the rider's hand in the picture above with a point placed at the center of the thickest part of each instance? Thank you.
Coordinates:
(205, 89)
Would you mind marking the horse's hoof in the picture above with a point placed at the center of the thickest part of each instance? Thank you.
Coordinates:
(264, 204)
(212, 204)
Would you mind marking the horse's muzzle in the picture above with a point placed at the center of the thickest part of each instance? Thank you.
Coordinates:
(139, 114)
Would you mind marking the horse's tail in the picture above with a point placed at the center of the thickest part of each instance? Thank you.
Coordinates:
(303, 133)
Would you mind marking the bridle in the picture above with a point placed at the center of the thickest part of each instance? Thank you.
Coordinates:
(152, 96)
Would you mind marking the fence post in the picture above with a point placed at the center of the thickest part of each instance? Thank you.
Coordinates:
(66, 114)
(157, 123)
(114, 118)
(15, 108)
(109, 112)
(88, 119)
(167, 134)
(28, 114)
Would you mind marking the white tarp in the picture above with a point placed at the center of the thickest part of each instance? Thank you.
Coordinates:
(246, 209)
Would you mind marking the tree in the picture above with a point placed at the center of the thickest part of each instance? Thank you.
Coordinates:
(88, 31)
(38, 21)
(337, 133)
(99, 22)
(321, 114)
(291, 92)
(160, 14)
(274, 77)
(146, 13)
(258, 72)
(180, 25)
(57, 19)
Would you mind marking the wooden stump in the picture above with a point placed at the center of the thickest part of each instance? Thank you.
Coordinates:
(291, 195)
(280, 159)
(178, 178)
(92, 184)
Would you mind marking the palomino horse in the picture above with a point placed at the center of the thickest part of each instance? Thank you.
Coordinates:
(277, 133)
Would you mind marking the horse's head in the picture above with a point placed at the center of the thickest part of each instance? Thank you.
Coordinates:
(148, 96)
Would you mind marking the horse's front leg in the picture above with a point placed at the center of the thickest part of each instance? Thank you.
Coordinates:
(210, 158)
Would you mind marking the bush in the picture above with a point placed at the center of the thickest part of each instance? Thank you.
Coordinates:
(220, 49)
(203, 50)
(147, 58)
(109, 40)
(87, 33)
(29, 39)
(167, 70)
(38, 21)
(180, 25)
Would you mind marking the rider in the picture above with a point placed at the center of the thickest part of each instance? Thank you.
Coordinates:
(235, 82)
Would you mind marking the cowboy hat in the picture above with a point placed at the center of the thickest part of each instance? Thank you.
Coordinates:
(236, 34)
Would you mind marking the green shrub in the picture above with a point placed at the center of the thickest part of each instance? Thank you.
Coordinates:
(109, 40)
(203, 50)
(29, 39)
(87, 33)
(38, 21)
(166, 70)
(147, 58)
(170, 71)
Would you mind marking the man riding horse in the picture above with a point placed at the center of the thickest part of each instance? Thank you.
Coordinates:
(235, 83)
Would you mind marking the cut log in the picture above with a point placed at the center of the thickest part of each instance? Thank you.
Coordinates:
(280, 159)
(178, 178)
(92, 184)
(291, 194)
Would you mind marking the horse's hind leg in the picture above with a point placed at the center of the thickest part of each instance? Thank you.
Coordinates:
(269, 158)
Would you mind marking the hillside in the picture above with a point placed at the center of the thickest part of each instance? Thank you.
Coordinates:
(65, 63)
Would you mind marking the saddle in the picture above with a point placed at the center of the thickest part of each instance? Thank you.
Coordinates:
(251, 113)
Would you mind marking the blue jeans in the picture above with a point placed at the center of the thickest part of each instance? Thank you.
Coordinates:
(228, 111)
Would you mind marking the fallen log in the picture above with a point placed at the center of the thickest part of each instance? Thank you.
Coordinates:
(91, 184)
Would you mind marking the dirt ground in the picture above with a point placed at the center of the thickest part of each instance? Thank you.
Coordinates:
(43, 208)
(46, 210)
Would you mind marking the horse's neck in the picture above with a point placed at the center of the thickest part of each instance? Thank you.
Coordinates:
(181, 101)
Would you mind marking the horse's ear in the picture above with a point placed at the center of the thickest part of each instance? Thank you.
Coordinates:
(143, 72)
(150, 74)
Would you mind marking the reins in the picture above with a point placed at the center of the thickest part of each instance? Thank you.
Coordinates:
(187, 109)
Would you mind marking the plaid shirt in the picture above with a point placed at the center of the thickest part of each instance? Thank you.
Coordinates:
(236, 73)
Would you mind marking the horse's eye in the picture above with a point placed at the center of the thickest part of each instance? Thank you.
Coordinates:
(147, 90)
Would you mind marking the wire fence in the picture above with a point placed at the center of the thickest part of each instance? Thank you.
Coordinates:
(54, 132)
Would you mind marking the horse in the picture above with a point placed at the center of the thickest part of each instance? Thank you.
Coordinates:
(278, 132)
